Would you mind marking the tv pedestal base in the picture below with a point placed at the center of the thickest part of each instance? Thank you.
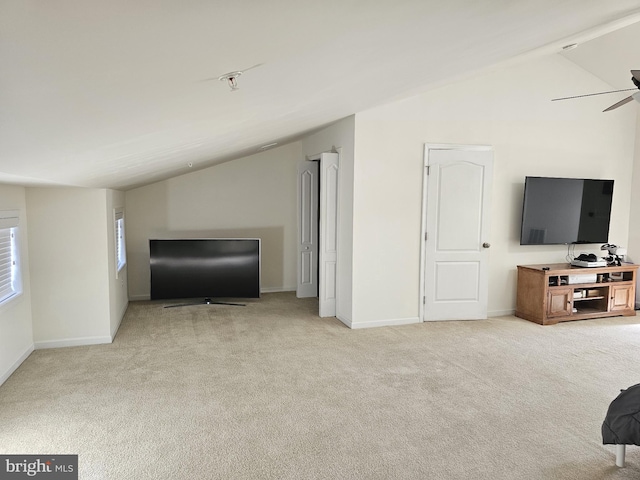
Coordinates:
(550, 293)
(206, 301)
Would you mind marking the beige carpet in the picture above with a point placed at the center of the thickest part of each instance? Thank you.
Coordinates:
(272, 391)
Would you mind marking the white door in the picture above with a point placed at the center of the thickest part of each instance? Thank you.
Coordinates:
(308, 197)
(328, 233)
(456, 246)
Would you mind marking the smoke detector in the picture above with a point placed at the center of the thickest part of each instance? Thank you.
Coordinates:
(231, 78)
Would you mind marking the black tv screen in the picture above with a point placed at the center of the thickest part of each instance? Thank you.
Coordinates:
(205, 267)
(565, 210)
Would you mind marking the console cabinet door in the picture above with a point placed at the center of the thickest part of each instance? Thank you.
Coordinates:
(559, 302)
(622, 297)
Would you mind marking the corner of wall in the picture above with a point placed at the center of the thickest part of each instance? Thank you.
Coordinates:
(12, 368)
(16, 317)
(121, 314)
(633, 246)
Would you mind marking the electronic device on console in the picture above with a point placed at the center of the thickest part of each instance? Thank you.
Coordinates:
(616, 254)
(588, 260)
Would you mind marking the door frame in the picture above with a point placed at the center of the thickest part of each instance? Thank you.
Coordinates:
(423, 227)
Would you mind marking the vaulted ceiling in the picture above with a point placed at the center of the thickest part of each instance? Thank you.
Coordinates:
(119, 93)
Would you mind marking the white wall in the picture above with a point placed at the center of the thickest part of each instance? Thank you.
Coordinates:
(69, 252)
(118, 291)
(510, 109)
(254, 196)
(339, 137)
(16, 333)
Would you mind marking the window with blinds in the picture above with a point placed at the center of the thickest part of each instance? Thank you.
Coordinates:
(9, 264)
(121, 253)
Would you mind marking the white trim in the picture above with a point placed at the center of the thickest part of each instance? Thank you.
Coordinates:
(346, 320)
(9, 218)
(384, 323)
(338, 230)
(72, 342)
(500, 313)
(423, 233)
(8, 303)
(16, 364)
(122, 314)
(141, 297)
(277, 289)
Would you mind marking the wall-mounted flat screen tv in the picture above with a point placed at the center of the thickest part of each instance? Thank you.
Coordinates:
(565, 211)
(205, 268)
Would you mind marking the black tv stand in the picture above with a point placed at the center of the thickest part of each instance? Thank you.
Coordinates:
(206, 301)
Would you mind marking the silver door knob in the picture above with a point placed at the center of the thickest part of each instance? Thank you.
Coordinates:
(486, 245)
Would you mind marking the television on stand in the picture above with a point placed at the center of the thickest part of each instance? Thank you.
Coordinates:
(205, 268)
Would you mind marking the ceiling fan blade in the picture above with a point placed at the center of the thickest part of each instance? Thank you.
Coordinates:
(636, 74)
(619, 104)
(593, 94)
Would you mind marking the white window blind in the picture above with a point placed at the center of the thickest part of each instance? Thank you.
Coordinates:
(121, 253)
(9, 268)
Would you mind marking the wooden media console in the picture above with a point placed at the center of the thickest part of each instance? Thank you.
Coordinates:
(552, 293)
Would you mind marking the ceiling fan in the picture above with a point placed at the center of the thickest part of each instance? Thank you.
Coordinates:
(636, 96)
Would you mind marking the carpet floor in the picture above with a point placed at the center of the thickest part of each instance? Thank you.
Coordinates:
(270, 390)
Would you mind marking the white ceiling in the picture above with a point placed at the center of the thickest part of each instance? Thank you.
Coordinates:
(115, 94)
(611, 57)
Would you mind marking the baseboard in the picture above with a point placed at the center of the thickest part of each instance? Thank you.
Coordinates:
(343, 319)
(16, 364)
(139, 298)
(500, 313)
(72, 342)
(383, 323)
(277, 289)
(122, 314)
